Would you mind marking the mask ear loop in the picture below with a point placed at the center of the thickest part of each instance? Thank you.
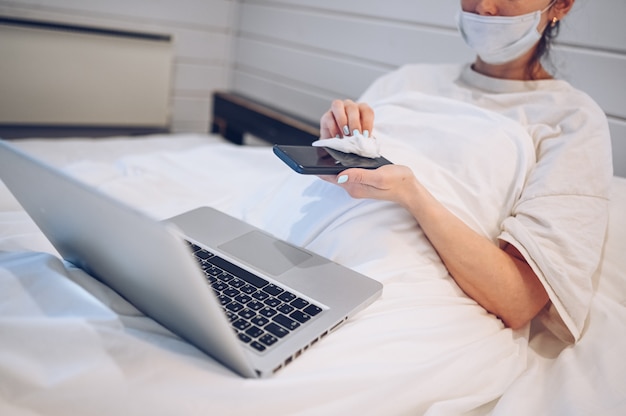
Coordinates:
(554, 20)
(548, 6)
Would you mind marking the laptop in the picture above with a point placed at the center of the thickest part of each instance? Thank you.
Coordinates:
(249, 300)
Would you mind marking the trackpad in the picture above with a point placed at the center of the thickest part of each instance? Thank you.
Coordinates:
(268, 254)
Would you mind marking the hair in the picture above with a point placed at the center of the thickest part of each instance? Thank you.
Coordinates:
(542, 51)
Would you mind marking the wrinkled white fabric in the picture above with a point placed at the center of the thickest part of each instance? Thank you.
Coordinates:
(73, 346)
(422, 341)
(357, 144)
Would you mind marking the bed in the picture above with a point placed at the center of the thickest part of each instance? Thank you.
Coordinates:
(71, 345)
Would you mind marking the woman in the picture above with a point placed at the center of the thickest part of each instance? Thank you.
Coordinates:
(565, 194)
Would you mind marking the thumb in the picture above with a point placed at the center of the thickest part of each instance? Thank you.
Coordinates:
(356, 176)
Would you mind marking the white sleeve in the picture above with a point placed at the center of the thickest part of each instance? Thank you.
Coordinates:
(560, 221)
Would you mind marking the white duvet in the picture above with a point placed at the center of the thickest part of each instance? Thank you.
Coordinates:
(72, 346)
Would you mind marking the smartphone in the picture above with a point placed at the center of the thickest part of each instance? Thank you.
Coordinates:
(311, 160)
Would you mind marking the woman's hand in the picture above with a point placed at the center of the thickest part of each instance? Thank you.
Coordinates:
(393, 183)
(345, 117)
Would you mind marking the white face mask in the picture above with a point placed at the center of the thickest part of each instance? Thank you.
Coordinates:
(500, 39)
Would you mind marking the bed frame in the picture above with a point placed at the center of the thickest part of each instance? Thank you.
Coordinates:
(234, 116)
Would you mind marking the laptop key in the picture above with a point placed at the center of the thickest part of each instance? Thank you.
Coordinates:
(285, 321)
(253, 279)
(267, 312)
(255, 305)
(299, 303)
(257, 346)
(272, 302)
(237, 283)
(286, 309)
(286, 296)
(277, 330)
(299, 316)
(241, 324)
(254, 332)
(268, 339)
(243, 298)
(246, 313)
(273, 289)
(203, 254)
(192, 246)
(219, 286)
(231, 292)
(224, 300)
(248, 289)
(312, 310)
(260, 321)
(234, 306)
(213, 271)
(260, 295)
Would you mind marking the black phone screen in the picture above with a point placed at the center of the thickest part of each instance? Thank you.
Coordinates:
(323, 161)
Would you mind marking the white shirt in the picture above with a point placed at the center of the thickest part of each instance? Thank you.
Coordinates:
(559, 221)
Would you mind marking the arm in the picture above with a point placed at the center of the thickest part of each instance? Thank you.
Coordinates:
(498, 278)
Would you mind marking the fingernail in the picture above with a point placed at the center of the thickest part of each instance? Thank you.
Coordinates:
(366, 133)
(346, 130)
(342, 179)
(338, 136)
(355, 132)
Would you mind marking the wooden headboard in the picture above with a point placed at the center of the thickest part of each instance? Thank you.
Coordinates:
(235, 115)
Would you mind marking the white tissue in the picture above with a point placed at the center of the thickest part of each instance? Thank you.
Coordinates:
(357, 144)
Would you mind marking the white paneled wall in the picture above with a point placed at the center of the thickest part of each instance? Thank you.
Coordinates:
(202, 32)
(300, 54)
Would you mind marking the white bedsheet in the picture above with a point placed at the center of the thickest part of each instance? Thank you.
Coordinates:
(72, 346)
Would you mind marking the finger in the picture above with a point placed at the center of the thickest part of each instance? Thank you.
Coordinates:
(367, 119)
(355, 183)
(338, 111)
(354, 176)
(353, 113)
(371, 178)
(328, 126)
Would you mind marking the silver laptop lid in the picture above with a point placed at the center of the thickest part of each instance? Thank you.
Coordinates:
(141, 259)
(149, 264)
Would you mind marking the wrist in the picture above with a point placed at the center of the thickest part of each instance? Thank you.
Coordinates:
(413, 195)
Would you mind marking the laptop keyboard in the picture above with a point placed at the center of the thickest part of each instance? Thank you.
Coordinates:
(260, 312)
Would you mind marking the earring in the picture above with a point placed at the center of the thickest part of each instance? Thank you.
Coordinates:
(554, 22)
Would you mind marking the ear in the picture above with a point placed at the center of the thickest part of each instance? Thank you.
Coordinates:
(560, 9)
